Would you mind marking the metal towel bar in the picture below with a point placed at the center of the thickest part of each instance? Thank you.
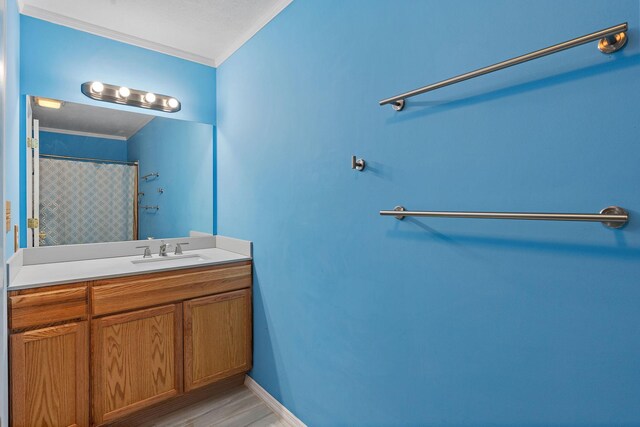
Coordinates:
(611, 40)
(150, 175)
(612, 216)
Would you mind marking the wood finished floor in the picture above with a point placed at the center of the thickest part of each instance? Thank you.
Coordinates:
(238, 408)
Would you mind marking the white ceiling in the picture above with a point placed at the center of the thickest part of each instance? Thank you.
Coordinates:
(205, 31)
(80, 119)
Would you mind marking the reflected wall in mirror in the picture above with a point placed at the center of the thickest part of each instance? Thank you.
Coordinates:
(98, 174)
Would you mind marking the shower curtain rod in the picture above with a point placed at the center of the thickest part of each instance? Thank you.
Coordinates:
(88, 159)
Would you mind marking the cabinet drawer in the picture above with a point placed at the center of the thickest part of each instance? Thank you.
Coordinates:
(47, 307)
(128, 293)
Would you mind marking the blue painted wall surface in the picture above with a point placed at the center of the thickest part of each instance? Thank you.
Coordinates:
(9, 102)
(62, 144)
(365, 320)
(56, 60)
(3, 293)
(183, 153)
(12, 123)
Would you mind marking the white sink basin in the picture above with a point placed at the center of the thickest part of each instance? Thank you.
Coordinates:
(176, 260)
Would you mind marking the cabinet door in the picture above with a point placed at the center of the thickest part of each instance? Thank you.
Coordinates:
(217, 337)
(50, 377)
(136, 360)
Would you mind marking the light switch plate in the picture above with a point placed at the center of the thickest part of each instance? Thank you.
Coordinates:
(8, 216)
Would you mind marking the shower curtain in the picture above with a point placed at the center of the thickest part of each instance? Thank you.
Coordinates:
(86, 202)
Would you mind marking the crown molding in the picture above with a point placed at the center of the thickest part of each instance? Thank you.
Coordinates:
(247, 35)
(56, 18)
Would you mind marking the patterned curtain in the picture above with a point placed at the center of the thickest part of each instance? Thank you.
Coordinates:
(85, 202)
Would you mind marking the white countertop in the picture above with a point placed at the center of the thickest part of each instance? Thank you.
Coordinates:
(78, 270)
(31, 276)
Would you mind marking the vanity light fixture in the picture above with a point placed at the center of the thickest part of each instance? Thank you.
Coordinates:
(134, 97)
(49, 103)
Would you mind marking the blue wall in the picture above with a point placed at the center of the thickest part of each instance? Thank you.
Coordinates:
(56, 60)
(9, 169)
(50, 68)
(12, 123)
(62, 144)
(365, 320)
(183, 153)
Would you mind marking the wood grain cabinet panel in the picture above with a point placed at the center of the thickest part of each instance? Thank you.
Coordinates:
(47, 306)
(50, 377)
(217, 337)
(136, 360)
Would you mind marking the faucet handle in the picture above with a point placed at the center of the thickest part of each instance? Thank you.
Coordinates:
(147, 251)
(179, 248)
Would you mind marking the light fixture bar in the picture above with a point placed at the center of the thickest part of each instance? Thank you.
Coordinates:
(134, 97)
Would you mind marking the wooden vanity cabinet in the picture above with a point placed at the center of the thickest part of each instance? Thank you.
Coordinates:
(50, 376)
(217, 337)
(147, 338)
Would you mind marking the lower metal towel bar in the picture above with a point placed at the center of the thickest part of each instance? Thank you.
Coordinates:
(612, 216)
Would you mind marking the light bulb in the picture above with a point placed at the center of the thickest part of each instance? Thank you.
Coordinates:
(124, 92)
(173, 103)
(150, 97)
(97, 87)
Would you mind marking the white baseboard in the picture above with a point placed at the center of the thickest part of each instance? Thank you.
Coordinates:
(272, 403)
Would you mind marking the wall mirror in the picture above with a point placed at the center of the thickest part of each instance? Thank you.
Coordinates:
(95, 174)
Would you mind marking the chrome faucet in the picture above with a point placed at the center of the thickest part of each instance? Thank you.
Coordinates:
(163, 248)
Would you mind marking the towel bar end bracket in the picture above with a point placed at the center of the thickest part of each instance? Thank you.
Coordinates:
(399, 209)
(612, 43)
(614, 210)
(398, 105)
